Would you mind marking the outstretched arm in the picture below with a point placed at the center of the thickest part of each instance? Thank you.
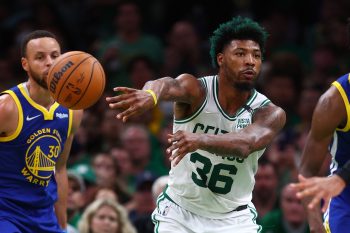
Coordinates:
(184, 89)
(267, 122)
(328, 115)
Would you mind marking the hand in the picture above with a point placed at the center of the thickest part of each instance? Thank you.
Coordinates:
(319, 188)
(131, 102)
(182, 143)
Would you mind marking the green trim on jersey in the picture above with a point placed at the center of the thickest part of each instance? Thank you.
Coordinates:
(255, 216)
(240, 111)
(190, 118)
(266, 102)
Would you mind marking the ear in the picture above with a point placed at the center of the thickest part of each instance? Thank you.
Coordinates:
(219, 58)
(24, 62)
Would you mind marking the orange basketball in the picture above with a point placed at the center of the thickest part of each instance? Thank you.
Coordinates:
(76, 80)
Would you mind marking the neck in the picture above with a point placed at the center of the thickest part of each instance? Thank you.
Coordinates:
(39, 94)
(227, 93)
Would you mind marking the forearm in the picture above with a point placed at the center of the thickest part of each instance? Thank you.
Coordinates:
(62, 192)
(226, 145)
(161, 88)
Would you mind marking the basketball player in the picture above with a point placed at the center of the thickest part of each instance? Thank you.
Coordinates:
(221, 128)
(329, 133)
(36, 134)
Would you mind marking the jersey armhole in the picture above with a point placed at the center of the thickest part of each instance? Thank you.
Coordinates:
(20, 117)
(199, 110)
(346, 103)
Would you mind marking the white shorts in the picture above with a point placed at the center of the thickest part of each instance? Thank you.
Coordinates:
(169, 217)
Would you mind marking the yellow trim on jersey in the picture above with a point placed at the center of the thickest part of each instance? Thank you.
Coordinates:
(20, 118)
(48, 115)
(347, 105)
(70, 122)
(326, 226)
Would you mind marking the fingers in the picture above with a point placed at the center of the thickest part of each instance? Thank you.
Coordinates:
(125, 115)
(326, 204)
(316, 200)
(124, 89)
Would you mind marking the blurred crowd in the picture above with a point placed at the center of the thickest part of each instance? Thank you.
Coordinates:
(117, 170)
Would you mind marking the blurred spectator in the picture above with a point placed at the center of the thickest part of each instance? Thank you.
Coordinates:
(107, 175)
(143, 204)
(106, 193)
(285, 155)
(76, 198)
(136, 140)
(184, 52)
(110, 129)
(290, 218)
(282, 84)
(128, 41)
(105, 215)
(265, 193)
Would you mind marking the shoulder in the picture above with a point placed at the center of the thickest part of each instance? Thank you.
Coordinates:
(8, 113)
(7, 105)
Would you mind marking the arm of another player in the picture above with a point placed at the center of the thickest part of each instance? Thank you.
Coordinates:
(267, 122)
(61, 173)
(329, 114)
(184, 89)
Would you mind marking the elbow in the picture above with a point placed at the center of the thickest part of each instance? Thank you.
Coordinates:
(244, 151)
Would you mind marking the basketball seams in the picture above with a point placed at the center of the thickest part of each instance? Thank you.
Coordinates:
(87, 87)
(68, 76)
(62, 60)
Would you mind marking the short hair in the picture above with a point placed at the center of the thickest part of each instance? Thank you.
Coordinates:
(238, 28)
(34, 35)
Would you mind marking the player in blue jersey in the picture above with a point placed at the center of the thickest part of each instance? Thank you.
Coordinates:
(329, 134)
(222, 126)
(36, 134)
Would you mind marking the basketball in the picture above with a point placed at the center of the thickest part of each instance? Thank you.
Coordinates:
(76, 80)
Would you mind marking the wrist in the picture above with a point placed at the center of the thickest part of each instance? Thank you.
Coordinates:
(154, 96)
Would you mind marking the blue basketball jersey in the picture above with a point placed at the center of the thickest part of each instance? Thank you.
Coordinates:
(29, 155)
(337, 218)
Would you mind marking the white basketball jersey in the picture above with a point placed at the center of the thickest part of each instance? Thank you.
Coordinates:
(208, 184)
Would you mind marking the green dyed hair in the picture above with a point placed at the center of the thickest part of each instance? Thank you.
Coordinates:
(238, 28)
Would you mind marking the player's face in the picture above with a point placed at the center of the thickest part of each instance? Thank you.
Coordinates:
(41, 53)
(105, 220)
(240, 63)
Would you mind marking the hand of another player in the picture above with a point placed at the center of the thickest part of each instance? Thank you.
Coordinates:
(319, 188)
(182, 143)
(130, 102)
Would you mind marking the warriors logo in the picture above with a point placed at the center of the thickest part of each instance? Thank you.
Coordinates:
(41, 157)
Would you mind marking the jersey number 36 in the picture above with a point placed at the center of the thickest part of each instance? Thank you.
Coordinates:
(219, 180)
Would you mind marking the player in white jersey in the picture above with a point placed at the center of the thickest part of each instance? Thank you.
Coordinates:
(221, 127)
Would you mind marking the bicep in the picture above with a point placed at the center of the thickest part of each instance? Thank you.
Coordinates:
(329, 114)
(185, 89)
(8, 115)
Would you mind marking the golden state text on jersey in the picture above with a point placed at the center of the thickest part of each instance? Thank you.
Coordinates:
(28, 156)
